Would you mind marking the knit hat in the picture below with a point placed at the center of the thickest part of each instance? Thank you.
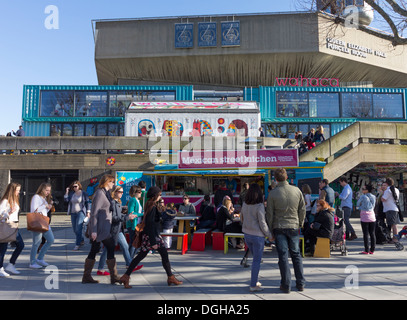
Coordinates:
(152, 192)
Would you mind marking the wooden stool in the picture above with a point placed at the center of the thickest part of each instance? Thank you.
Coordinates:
(231, 235)
(322, 248)
(183, 236)
(217, 240)
(199, 239)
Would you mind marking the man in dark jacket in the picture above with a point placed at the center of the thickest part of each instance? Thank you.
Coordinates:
(221, 193)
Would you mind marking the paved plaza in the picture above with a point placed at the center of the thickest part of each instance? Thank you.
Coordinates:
(208, 276)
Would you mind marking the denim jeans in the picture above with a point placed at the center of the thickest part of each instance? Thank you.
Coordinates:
(346, 216)
(16, 253)
(37, 236)
(77, 225)
(288, 240)
(124, 247)
(256, 247)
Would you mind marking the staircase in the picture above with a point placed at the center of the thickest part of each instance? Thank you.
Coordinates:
(362, 142)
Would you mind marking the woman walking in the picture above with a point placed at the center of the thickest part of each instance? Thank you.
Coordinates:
(99, 229)
(135, 214)
(366, 204)
(151, 239)
(116, 231)
(9, 208)
(255, 229)
(78, 208)
(42, 203)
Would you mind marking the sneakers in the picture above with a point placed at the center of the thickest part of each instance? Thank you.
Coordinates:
(76, 248)
(3, 273)
(10, 268)
(102, 273)
(35, 266)
(42, 263)
(257, 288)
(38, 264)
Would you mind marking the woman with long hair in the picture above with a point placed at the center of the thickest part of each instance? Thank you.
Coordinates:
(9, 208)
(366, 205)
(151, 239)
(78, 208)
(255, 229)
(99, 230)
(323, 225)
(42, 203)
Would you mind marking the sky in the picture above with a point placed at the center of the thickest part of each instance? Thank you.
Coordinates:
(39, 50)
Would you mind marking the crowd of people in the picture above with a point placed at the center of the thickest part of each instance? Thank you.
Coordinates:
(280, 218)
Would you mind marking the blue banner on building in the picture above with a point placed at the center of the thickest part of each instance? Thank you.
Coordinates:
(127, 179)
(184, 35)
(207, 34)
(230, 33)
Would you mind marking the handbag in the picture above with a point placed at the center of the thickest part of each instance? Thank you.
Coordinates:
(37, 222)
(138, 235)
(8, 231)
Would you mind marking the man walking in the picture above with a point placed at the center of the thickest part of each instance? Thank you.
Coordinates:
(285, 215)
(346, 197)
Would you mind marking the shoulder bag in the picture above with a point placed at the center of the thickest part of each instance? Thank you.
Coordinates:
(37, 222)
(138, 235)
(8, 231)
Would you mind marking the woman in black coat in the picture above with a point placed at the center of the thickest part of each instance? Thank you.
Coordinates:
(151, 239)
(323, 225)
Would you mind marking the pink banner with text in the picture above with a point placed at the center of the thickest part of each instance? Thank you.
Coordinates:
(238, 159)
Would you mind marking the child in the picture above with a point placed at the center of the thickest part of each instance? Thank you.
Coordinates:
(168, 223)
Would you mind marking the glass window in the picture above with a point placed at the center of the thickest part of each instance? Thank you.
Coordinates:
(121, 129)
(324, 105)
(356, 105)
(56, 129)
(67, 130)
(79, 130)
(102, 129)
(113, 130)
(292, 104)
(291, 130)
(57, 103)
(388, 105)
(276, 130)
(90, 130)
(121, 100)
(91, 104)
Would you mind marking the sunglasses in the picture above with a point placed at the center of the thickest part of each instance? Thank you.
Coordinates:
(75, 186)
(119, 191)
(138, 191)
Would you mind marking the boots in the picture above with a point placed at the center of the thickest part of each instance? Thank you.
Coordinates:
(125, 279)
(111, 264)
(172, 280)
(87, 277)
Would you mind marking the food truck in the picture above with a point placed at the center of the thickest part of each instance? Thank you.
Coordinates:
(197, 178)
(192, 118)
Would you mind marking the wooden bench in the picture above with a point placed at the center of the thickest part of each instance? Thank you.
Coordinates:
(200, 238)
(183, 236)
(226, 239)
(323, 248)
(217, 240)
